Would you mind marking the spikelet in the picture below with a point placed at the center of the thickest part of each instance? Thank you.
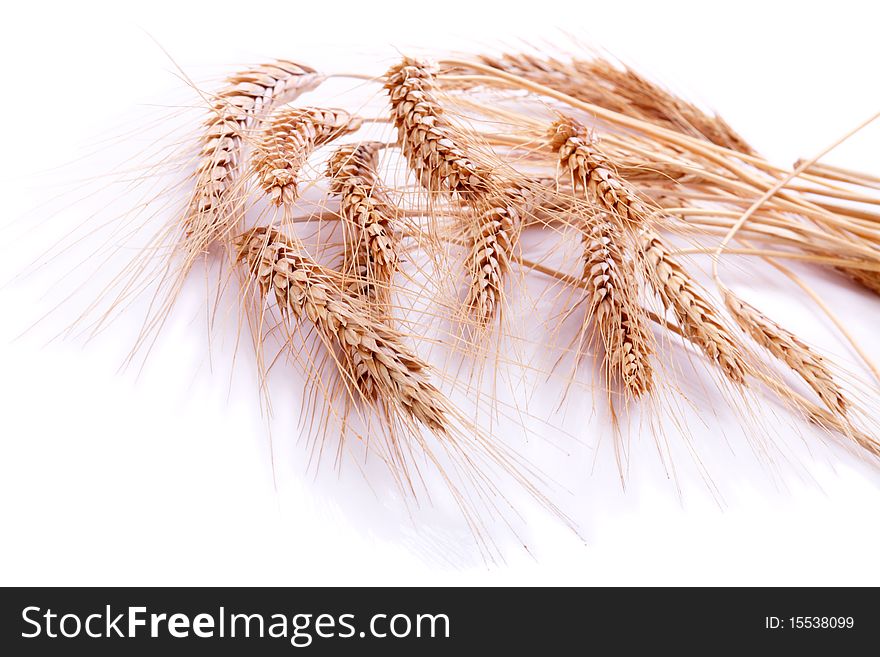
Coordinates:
(788, 348)
(289, 138)
(698, 319)
(371, 256)
(238, 110)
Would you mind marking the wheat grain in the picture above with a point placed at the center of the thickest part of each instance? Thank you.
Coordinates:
(613, 307)
(290, 137)
(698, 319)
(788, 348)
(371, 256)
(238, 109)
(591, 169)
(383, 367)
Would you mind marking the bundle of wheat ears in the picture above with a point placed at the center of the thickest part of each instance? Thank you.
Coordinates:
(435, 190)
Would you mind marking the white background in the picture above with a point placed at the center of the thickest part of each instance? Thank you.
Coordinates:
(109, 478)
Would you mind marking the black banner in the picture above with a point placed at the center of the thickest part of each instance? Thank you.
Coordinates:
(113, 621)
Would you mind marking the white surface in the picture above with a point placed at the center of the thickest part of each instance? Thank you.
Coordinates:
(106, 478)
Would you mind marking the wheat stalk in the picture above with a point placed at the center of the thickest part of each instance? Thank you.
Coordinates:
(698, 319)
(289, 138)
(238, 109)
(614, 308)
(382, 366)
(590, 168)
(788, 348)
(371, 245)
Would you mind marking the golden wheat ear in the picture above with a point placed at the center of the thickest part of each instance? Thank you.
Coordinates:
(371, 252)
(385, 374)
(381, 364)
(425, 135)
(623, 90)
(698, 319)
(238, 111)
(289, 138)
(492, 234)
(789, 349)
(614, 308)
(591, 170)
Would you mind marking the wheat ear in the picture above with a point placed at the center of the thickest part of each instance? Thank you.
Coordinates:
(238, 110)
(382, 366)
(291, 135)
(788, 348)
(425, 135)
(492, 240)
(645, 99)
(622, 90)
(698, 319)
(371, 256)
(590, 168)
(614, 308)
(386, 372)
(868, 279)
(432, 147)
